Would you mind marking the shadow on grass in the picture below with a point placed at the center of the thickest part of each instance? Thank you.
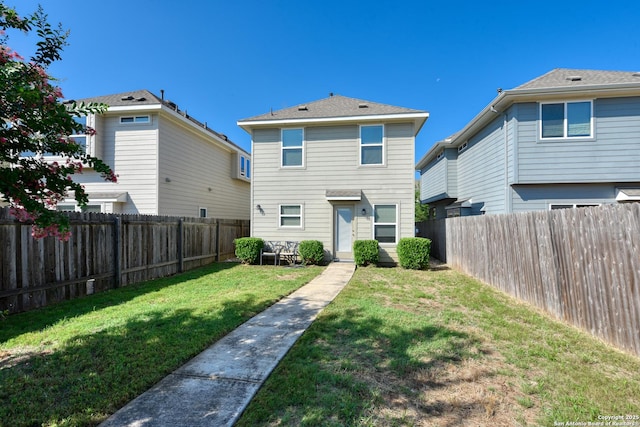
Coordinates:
(354, 368)
(35, 320)
(96, 374)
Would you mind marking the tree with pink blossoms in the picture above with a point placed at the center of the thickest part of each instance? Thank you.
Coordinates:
(36, 127)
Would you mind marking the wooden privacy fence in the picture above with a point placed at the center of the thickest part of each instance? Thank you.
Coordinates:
(580, 265)
(104, 252)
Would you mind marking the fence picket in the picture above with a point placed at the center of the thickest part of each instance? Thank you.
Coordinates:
(114, 250)
(580, 265)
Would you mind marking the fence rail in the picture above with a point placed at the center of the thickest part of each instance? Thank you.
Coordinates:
(580, 265)
(104, 252)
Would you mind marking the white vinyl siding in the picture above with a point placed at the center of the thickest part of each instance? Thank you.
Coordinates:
(200, 174)
(332, 156)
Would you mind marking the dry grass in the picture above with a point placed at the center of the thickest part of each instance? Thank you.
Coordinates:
(436, 348)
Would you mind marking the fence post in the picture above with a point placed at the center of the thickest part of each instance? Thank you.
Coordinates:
(180, 245)
(217, 240)
(117, 253)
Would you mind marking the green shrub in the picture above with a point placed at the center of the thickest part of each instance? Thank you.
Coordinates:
(413, 252)
(311, 251)
(248, 249)
(366, 252)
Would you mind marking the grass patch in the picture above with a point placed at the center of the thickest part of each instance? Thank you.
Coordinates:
(404, 348)
(75, 363)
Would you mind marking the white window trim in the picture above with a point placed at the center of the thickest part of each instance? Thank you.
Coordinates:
(74, 207)
(206, 212)
(280, 216)
(134, 118)
(574, 205)
(374, 223)
(283, 148)
(440, 155)
(565, 125)
(382, 144)
(243, 166)
(463, 147)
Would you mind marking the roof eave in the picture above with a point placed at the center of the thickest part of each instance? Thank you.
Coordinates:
(226, 143)
(419, 118)
(508, 97)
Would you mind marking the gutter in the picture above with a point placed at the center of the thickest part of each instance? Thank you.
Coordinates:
(508, 97)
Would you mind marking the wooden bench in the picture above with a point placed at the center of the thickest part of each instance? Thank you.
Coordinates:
(287, 250)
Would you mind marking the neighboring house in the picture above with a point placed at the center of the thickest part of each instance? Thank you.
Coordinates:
(569, 138)
(167, 163)
(335, 170)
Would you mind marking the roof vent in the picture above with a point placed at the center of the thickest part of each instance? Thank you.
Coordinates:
(574, 78)
(363, 105)
(636, 74)
(142, 98)
(127, 98)
(303, 108)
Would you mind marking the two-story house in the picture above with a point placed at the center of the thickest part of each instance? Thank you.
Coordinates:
(167, 162)
(569, 138)
(335, 170)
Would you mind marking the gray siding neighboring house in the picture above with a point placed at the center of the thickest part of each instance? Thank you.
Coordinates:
(167, 162)
(335, 170)
(569, 138)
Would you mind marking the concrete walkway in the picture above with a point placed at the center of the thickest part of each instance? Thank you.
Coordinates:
(215, 387)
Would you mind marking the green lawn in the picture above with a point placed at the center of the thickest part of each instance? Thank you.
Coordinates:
(437, 348)
(396, 348)
(76, 363)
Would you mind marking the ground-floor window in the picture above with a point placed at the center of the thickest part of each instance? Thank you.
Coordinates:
(290, 216)
(203, 212)
(76, 208)
(555, 206)
(385, 223)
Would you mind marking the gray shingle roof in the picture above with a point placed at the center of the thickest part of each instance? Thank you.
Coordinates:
(567, 77)
(334, 106)
(136, 97)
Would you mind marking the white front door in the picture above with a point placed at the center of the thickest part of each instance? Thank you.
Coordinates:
(343, 232)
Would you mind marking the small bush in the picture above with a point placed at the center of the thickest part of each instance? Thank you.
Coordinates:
(248, 249)
(311, 252)
(413, 252)
(366, 252)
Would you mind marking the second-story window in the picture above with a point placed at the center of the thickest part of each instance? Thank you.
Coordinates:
(563, 120)
(135, 119)
(372, 145)
(292, 147)
(80, 139)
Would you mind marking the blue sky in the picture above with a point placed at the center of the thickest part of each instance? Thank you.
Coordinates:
(228, 60)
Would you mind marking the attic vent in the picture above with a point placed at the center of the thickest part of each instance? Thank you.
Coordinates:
(574, 78)
(127, 98)
(363, 105)
(636, 74)
(141, 99)
(303, 108)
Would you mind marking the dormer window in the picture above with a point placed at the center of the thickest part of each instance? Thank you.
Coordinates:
(566, 120)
